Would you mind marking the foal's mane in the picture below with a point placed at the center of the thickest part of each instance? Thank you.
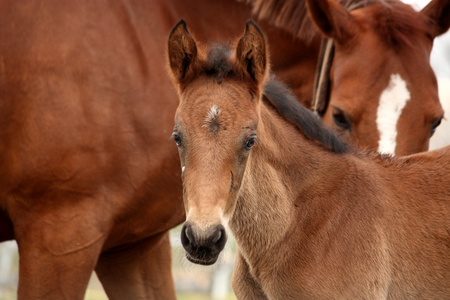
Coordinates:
(281, 97)
(395, 21)
(219, 65)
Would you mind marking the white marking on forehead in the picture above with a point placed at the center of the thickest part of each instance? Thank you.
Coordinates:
(213, 114)
(392, 101)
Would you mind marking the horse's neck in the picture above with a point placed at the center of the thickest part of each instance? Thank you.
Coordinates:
(282, 171)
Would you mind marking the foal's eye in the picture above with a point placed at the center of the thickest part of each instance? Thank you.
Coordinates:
(177, 139)
(341, 120)
(249, 143)
(435, 125)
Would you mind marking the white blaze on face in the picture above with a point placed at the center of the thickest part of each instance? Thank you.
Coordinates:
(392, 101)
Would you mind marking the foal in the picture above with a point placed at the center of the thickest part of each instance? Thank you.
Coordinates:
(313, 218)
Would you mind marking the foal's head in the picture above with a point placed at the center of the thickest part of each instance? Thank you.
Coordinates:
(215, 129)
(383, 90)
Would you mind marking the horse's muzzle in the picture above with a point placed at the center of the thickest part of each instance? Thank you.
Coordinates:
(203, 246)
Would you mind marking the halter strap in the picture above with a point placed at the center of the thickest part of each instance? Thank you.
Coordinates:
(322, 79)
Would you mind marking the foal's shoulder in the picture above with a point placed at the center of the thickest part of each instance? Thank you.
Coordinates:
(435, 162)
(440, 154)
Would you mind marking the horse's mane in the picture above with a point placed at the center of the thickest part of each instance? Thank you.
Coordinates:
(290, 15)
(395, 22)
(288, 106)
(218, 61)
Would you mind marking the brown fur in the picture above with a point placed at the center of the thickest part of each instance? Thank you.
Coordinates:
(310, 223)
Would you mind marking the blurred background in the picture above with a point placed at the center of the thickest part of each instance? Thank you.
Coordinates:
(212, 282)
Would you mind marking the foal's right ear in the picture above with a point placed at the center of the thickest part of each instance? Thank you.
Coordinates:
(182, 51)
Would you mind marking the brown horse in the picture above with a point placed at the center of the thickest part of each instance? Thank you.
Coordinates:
(379, 78)
(313, 218)
(88, 177)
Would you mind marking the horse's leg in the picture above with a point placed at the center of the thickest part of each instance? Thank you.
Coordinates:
(140, 271)
(58, 251)
(243, 283)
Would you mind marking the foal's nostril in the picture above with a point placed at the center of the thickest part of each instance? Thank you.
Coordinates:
(218, 238)
(186, 234)
(213, 238)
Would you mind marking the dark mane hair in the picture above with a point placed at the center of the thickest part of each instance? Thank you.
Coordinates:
(310, 124)
(218, 62)
(396, 21)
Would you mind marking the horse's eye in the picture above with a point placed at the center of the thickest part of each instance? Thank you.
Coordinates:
(177, 139)
(249, 143)
(341, 120)
(435, 125)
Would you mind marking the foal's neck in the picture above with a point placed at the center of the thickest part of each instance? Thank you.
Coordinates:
(283, 172)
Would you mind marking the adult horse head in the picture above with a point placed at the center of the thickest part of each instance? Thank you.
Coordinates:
(378, 89)
(312, 217)
(383, 92)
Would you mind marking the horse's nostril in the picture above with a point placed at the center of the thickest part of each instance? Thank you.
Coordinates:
(219, 238)
(186, 235)
(210, 239)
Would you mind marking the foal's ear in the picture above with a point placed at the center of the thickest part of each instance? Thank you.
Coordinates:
(182, 51)
(438, 11)
(332, 19)
(252, 53)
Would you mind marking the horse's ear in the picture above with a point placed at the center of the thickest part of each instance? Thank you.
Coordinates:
(438, 11)
(252, 53)
(332, 19)
(182, 51)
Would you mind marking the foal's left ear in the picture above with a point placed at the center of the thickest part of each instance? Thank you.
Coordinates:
(252, 53)
(182, 51)
(438, 11)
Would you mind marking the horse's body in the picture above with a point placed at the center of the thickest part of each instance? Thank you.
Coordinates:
(88, 178)
(312, 218)
(84, 179)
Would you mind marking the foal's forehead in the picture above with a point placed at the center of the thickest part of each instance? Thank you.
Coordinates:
(208, 103)
(208, 92)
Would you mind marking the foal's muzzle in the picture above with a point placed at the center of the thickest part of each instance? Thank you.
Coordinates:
(203, 246)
